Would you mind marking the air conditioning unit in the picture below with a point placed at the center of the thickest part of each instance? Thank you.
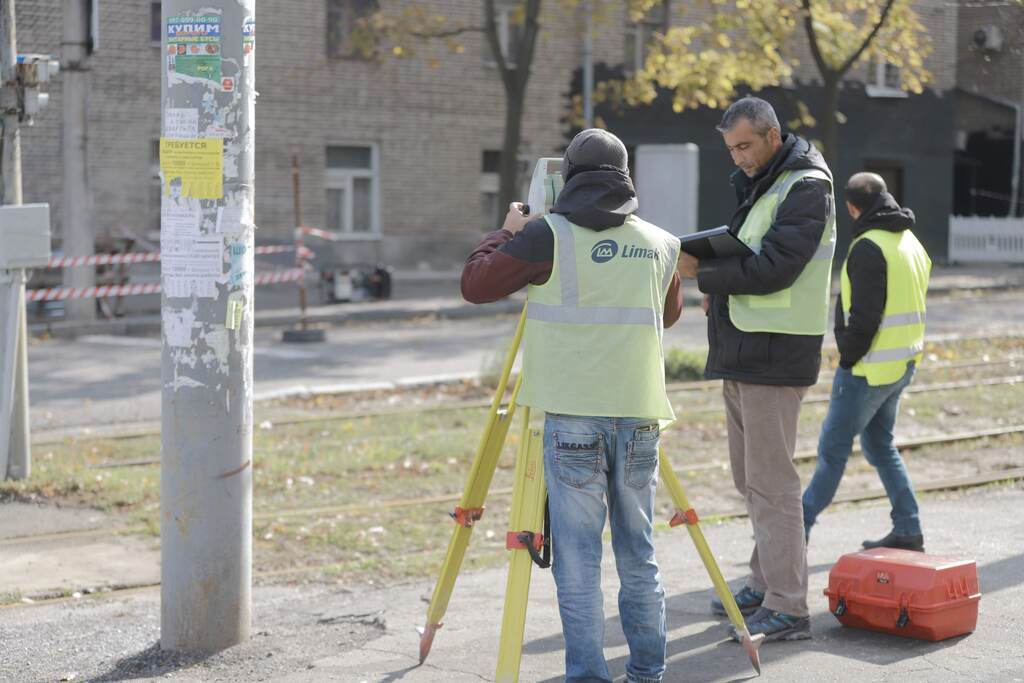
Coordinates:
(988, 38)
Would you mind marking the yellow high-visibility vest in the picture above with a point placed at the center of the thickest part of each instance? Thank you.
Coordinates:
(803, 307)
(593, 337)
(900, 336)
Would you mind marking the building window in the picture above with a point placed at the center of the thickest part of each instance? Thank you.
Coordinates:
(352, 190)
(342, 20)
(156, 188)
(489, 181)
(641, 35)
(510, 34)
(883, 80)
(156, 29)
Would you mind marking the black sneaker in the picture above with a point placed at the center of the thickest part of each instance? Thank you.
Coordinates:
(775, 626)
(902, 542)
(748, 600)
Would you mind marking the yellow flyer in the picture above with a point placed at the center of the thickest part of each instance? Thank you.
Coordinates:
(193, 168)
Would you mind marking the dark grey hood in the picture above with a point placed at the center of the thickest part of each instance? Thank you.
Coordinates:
(598, 199)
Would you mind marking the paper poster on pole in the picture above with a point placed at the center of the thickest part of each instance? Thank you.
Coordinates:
(178, 219)
(192, 267)
(181, 123)
(193, 168)
(193, 46)
(232, 220)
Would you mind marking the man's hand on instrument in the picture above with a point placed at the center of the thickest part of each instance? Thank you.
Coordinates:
(516, 219)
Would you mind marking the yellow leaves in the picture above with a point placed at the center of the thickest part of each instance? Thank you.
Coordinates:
(723, 40)
(397, 50)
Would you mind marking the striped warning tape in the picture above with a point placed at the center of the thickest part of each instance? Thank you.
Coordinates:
(148, 257)
(102, 291)
(317, 232)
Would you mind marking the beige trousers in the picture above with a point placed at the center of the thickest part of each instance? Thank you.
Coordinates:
(762, 422)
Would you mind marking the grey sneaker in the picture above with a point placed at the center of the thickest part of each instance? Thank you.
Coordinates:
(775, 626)
(747, 599)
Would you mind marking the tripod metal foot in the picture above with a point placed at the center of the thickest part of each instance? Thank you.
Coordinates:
(427, 639)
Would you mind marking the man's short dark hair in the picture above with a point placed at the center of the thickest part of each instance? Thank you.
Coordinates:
(759, 112)
(864, 189)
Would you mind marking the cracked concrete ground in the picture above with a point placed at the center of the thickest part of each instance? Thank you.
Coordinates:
(333, 633)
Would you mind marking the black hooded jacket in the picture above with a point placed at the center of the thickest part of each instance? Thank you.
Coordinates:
(787, 247)
(866, 267)
(501, 264)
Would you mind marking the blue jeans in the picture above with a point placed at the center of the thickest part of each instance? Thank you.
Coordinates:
(588, 460)
(858, 408)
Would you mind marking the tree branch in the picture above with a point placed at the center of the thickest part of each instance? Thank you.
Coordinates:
(528, 45)
(450, 33)
(867, 41)
(812, 38)
(491, 31)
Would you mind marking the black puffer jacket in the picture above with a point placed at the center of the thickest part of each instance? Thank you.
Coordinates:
(763, 357)
(868, 274)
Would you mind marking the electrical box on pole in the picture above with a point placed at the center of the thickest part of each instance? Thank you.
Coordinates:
(207, 141)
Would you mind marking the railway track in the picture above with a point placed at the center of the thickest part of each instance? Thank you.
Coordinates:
(427, 434)
(324, 510)
(1016, 474)
(482, 404)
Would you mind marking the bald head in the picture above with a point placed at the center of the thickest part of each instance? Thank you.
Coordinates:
(863, 190)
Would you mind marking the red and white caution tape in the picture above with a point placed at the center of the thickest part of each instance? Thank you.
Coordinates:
(144, 257)
(98, 292)
(317, 232)
(103, 291)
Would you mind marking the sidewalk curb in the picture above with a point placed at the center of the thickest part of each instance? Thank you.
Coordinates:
(449, 308)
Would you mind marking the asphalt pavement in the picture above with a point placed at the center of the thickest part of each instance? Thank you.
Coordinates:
(362, 633)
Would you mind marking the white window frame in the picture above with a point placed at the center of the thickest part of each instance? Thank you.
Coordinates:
(635, 62)
(876, 87)
(342, 179)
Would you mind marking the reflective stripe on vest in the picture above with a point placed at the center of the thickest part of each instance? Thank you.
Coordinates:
(803, 307)
(593, 338)
(900, 335)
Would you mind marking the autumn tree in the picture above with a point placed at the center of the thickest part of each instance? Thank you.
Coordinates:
(720, 45)
(400, 29)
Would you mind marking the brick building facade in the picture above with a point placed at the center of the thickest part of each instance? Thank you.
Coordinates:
(400, 154)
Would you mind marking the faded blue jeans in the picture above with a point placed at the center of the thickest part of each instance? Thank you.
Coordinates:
(859, 408)
(588, 461)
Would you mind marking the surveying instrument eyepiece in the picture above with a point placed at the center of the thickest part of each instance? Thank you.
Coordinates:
(527, 535)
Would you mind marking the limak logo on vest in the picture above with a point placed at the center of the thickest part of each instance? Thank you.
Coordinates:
(606, 250)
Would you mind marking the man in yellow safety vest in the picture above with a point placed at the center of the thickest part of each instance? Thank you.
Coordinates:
(767, 316)
(879, 330)
(602, 287)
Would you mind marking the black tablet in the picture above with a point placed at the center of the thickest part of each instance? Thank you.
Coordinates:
(714, 243)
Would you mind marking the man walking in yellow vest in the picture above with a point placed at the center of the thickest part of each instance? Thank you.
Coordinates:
(767, 315)
(602, 288)
(879, 330)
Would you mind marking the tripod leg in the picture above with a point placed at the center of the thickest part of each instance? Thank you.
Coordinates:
(470, 507)
(687, 516)
(527, 516)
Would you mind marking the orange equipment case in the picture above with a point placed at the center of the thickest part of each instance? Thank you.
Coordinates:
(906, 593)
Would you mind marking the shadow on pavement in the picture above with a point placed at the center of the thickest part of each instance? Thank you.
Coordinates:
(151, 662)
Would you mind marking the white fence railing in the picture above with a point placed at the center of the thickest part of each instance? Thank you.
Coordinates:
(987, 240)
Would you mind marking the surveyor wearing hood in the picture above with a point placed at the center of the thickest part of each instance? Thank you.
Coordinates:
(880, 322)
(602, 287)
(767, 315)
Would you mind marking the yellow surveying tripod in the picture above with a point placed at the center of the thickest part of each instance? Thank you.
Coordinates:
(525, 538)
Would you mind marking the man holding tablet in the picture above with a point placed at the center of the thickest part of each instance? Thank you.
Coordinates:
(767, 314)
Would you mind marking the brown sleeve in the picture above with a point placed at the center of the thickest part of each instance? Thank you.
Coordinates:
(673, 301)
(501, 265)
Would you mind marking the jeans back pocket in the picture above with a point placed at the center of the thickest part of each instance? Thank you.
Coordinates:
(577, 457)
(642, 457)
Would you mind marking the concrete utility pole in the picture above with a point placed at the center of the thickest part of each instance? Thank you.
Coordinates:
(206, 161)
(77, 227)
(15, 452)
(588, 64)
